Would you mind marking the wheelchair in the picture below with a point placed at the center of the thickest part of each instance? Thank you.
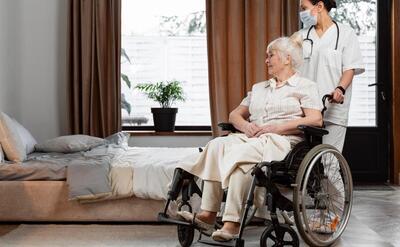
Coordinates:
(322, 195)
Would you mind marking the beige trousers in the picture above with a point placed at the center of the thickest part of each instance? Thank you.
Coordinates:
(223, 155)
(239, 186)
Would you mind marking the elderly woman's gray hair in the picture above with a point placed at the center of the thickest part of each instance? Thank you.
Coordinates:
(289, 46)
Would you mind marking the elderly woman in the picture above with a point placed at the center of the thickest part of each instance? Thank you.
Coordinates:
(268, 118)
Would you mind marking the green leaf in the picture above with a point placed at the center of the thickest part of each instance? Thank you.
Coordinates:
(126, 80)
(125, 55)
(125, 104)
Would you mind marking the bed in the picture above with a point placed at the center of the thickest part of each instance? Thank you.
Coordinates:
(40, 190)
(81, 178)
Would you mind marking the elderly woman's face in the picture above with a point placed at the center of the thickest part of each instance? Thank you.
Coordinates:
(274, 62)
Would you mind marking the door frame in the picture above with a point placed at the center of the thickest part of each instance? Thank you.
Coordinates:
(395, 95)
(382, 132)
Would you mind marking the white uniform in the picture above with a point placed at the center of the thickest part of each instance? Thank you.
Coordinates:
(325, 66)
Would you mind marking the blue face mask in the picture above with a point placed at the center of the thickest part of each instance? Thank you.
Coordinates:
(307, 18)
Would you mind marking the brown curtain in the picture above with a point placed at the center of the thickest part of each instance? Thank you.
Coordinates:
(94, 44)
(238, 32)
(395, 167)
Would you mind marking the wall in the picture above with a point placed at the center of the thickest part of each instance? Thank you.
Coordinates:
(33, 46)
(33, 64)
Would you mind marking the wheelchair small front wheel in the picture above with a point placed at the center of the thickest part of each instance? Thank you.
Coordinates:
(322, 198)
(185, 235)
(285, 236)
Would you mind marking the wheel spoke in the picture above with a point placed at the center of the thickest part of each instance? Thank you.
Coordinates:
(272, 237)
(324, 189)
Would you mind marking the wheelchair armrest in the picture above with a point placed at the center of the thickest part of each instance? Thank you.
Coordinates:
(228, 127)
(313, 131)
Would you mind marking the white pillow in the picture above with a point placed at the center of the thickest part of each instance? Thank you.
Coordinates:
(69, 144)
(10, 140)
(28, 140)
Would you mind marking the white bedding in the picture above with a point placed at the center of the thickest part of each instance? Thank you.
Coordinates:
(153, 168)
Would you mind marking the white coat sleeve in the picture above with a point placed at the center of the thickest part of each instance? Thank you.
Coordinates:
(352, 57)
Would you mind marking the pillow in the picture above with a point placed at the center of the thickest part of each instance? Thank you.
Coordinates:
(69, 144)
(10, 140)
(28, 140)
(118, 138)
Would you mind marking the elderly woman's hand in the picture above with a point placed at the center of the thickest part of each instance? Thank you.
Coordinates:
(251, 129)
(268, 129)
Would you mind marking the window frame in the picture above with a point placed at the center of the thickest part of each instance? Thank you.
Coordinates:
(177, 128)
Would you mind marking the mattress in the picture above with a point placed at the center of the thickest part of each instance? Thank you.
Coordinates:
(152, 167)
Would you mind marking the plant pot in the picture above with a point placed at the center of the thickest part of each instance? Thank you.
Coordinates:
(164, 118)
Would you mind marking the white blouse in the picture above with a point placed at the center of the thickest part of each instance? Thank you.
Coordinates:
(271, 105)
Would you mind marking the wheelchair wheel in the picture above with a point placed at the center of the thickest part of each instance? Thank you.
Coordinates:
(185, 233)
(269, 237)
(323, 195)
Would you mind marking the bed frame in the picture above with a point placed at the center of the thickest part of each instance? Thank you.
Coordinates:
(47, 201)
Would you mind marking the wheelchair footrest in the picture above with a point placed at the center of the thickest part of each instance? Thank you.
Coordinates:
(232, 243)
(165, 218)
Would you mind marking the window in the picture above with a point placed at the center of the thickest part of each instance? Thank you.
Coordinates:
(163, 41)
(361, 15)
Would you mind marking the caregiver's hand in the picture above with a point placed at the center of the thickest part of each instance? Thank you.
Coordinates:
(337, 97)
(251, 129)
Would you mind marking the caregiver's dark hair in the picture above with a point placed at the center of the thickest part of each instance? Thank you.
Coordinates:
(329, 4)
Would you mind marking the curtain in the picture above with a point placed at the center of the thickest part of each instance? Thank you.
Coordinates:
(238, 32)
(395, 166)
(94, 44)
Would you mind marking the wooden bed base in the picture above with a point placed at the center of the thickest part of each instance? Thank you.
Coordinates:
(47, 201)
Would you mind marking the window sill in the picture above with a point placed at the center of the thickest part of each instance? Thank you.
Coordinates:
(174, 133)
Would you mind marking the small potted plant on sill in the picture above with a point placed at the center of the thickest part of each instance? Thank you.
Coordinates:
(165, 93)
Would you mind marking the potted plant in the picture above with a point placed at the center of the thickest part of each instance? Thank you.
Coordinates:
(165, 93)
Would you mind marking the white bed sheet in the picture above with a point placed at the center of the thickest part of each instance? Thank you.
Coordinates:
(153, 168)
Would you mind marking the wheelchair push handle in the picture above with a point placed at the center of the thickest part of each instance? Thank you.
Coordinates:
(329, 97)
(326, 96)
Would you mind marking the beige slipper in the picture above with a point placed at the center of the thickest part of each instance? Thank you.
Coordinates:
(188, 216)
(223, 236)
